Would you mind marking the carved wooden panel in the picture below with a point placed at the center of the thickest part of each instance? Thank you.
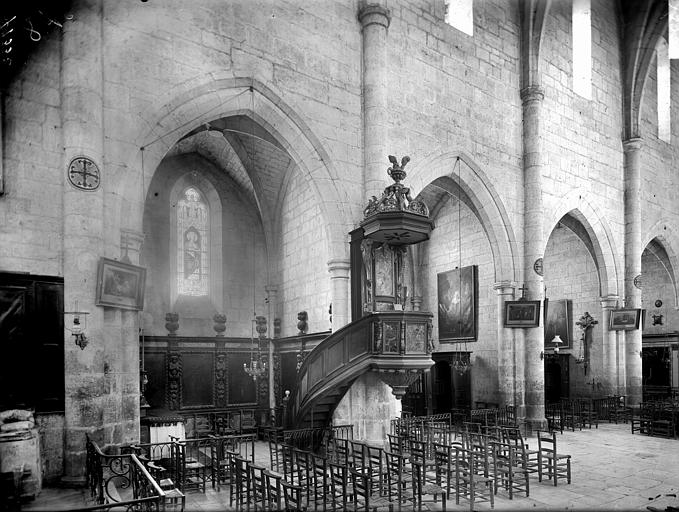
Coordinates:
(391, 337)
(358, 341)
(221, 398)
(174, 380)
(416, 338)
(335, 357)
(315, 371)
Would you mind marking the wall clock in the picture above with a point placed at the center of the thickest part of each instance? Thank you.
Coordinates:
(658, 303)
(83, 173)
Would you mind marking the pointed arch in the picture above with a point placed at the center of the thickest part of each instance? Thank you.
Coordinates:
(197, 102)
(602, 246)
(661, 240)
(436, 177)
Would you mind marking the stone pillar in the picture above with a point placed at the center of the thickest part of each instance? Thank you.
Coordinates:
(509, 355)
(86, 385)
(339, 288)
(533, 249)
(632, 170)
(610, 349)
(271, 296)
(374, 21)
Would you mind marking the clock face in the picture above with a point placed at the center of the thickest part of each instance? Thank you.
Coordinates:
(83, 173)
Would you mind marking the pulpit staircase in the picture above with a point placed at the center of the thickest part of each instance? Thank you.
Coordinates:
(396, 344)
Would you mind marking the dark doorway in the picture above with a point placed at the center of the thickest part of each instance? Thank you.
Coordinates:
(442, 391)
(32, 342)
(556, 378)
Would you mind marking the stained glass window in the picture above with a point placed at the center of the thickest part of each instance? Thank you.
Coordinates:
(193, 265)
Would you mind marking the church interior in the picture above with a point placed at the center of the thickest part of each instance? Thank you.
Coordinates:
(314, 224)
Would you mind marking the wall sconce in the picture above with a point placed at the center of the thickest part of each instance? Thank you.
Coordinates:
(78, 329)
(556, 340)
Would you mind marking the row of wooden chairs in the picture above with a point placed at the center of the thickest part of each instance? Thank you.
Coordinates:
(656, 418)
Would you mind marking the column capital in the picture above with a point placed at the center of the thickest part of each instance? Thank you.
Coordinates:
(374, 14)
(339, 267)
(632, 144)
(505, 287)
(532, 93)
(609, 301)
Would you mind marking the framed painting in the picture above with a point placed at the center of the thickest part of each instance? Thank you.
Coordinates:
(559, 320)
(457, 303)
(624, 319)
(120, 285)
(522, 313)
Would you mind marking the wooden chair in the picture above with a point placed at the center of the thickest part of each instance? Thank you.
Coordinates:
(256, 492)
(341, 488)
(513, 436)
(618, 410)
(377, 472)
(555, 464)
(363, 498)
(357, 454)
(275, 439)
(399, 479)
(468, 484)
(588, 413)
(642, 421)
(418, 453)
(422, 489)
(273, 486)
(662, 423)
(511, 468)
(304, 473)
(292, 497)
(239, 484)
(320, 480)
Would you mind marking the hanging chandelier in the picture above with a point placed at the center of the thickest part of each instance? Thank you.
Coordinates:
(257, 367)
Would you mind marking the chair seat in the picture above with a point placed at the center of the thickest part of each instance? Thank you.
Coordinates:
(558, 456)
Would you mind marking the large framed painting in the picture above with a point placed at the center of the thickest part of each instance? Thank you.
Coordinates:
(457, 303)
(559, 320)
(120, 285)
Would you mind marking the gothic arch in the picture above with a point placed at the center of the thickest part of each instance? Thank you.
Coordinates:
(195, 104)
(437, 176)
(662, 236)
(602, 244)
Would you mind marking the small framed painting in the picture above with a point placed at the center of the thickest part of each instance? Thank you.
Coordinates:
(624, 319)
(120, 285)
(522, 313)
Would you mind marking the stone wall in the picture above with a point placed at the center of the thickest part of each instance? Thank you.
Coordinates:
(570, 273)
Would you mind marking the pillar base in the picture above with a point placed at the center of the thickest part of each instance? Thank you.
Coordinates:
(534, 424)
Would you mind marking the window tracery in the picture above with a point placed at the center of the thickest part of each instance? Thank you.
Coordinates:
(193, 263)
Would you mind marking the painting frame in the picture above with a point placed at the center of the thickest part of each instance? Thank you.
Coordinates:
(457, 320)
(624, 319)
(522, 313)
(120, 285)
(558, 316)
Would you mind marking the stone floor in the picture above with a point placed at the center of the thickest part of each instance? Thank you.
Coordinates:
(611, 470)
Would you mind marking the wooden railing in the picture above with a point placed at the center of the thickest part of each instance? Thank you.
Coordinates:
(120, 481)
(391, 341)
